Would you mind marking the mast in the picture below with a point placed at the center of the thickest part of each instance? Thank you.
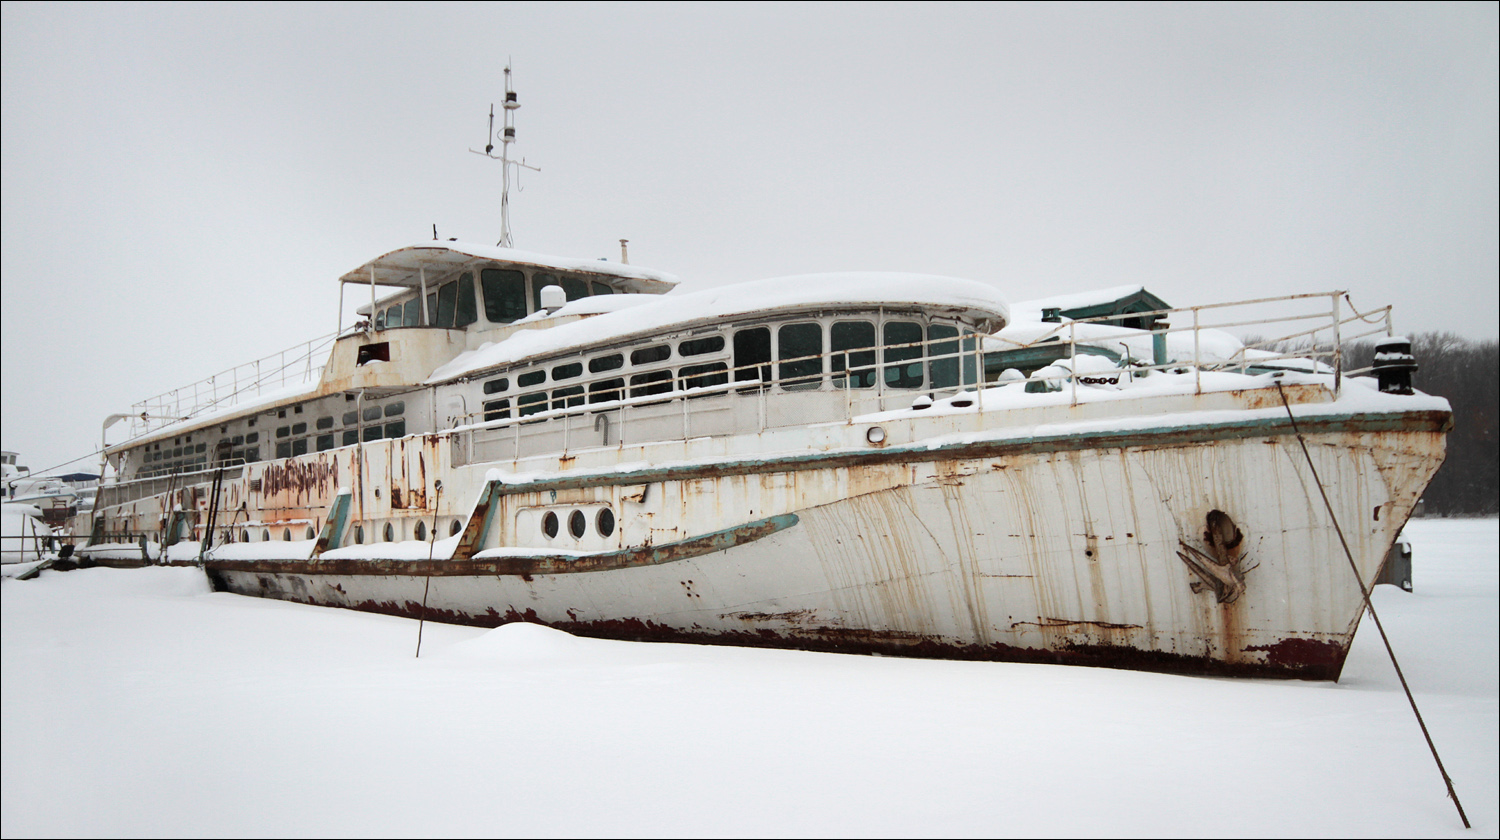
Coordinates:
(506, 137)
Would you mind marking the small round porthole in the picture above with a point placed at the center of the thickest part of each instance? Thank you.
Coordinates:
(311, 533)
(390, 532)
(549, 525)
(875, 435)
(577, 524)
(265, 535)
(605, 522)
(421, 531)
(453, 528)
(359, 535)
(286, 534)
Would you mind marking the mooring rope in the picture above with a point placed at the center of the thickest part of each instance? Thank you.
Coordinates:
(431, 544)
(1364, 591)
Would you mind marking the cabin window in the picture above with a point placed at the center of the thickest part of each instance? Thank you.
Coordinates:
(372, 412)
(539, 281)
(393, 316)
(412, 313)
(575, 288)
(549, 524)
(903, 364)
(283, 431)
(351, 418)
(395, 408)
(252, 454)
(325, 442)
(535, 377)
(468, 313)
(396, 429)
(704, 376)
(577, 524)
(203, 446)
(421, 533)
(848, 341)
(299, 428)
(607, 390)
(497, 410)
(647, 355)
(752, 355)
(604, 363)
(651, 383)
(446, 302)
(380, 320)
(432, 311)
(390, 533)
(699, 346)
(286, 534)
(453, 528)
(371, 433)
(284, 450)
(299, 447)
(567, 371)
(601, 289)
(797, 342)
(528, 404)
(567, 397)
(359, 534)
(496, 386)
(351, 437)
(504, 295)
(605, 522)
(323, 423)
(942, 367)
(253, 437)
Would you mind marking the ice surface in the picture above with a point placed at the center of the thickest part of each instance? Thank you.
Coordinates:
(137, 703)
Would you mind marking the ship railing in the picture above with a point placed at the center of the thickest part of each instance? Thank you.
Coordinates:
(300, 364)
(1313, 332)
(124, 492)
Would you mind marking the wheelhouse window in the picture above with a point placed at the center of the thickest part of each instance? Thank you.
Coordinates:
(943, 366)
(903, 354)
(853, 361)
(752, 355)
(412, 313)
(800, 346)
(504, 295)
(467, 313)
(497, 410)
(529, 404)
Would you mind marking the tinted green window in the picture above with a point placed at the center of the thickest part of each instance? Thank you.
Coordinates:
(496, 386)
(372, 412)
(567, 397)
(325, 422)
(567, 371)
(252, 453)
(575, 288)
(351, 437)
(903, 364)
(447, 300)
(467, 313)
(393, 316)
(699, 346)
(601, 289)
(432, 308)
(944, 343)
(372, 433)
(351, 417)
(608, 390)
(497, 410)
(604, 363)
(253, 437)
(284, 449)
(396, 429)
(299, 428)
(647, 355)
(392, 409)
(504, 295)
(848, 341)
(299, 446)
(283, 431)
(795, 342)
(533, 378)
(412, 313)
(529, 404)
(325, 442)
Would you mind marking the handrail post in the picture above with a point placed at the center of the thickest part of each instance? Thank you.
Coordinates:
(1073, 357)
(1338, 350)
(1197, 356)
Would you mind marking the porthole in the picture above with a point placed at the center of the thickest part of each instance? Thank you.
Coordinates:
(577, 524)
(359, 535)
(311, 534)
(390, 532)
(605, 522)
(265, 535)
(421, 531)
(286, 534)
(549, 525)
(453, 528)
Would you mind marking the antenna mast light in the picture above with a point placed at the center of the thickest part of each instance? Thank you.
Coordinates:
(506, 137)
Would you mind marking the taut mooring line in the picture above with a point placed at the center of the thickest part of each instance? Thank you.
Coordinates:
(1364, 591)
(431, 544)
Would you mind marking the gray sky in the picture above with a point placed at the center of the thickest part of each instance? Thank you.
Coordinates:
(183, 184)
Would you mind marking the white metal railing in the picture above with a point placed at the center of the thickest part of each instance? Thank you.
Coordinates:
(1318, 325)
(299, 364)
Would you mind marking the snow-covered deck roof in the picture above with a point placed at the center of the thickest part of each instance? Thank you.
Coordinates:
(964, 298)
(403, 266)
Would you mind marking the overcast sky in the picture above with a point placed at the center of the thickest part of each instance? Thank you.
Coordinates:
(182, 185)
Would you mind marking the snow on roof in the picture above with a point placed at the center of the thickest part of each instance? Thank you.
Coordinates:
(402, 267)
(1032, 309)
(975, 300)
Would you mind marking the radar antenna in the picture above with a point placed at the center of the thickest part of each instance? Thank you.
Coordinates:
(506, 137)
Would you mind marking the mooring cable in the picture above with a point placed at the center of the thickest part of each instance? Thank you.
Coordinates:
(431, 544)
(1364, 591)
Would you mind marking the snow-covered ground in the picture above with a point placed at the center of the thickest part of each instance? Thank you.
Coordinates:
(138, 703)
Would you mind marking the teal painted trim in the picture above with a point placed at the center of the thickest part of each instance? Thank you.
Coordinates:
(332, 535)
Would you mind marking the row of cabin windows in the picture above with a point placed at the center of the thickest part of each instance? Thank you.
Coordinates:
(453, 305)
(941, 360)
(291, 440)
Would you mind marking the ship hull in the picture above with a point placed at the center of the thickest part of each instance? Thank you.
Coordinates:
(1209, 550)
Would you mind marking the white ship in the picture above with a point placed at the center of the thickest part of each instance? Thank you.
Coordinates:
(858, 462)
